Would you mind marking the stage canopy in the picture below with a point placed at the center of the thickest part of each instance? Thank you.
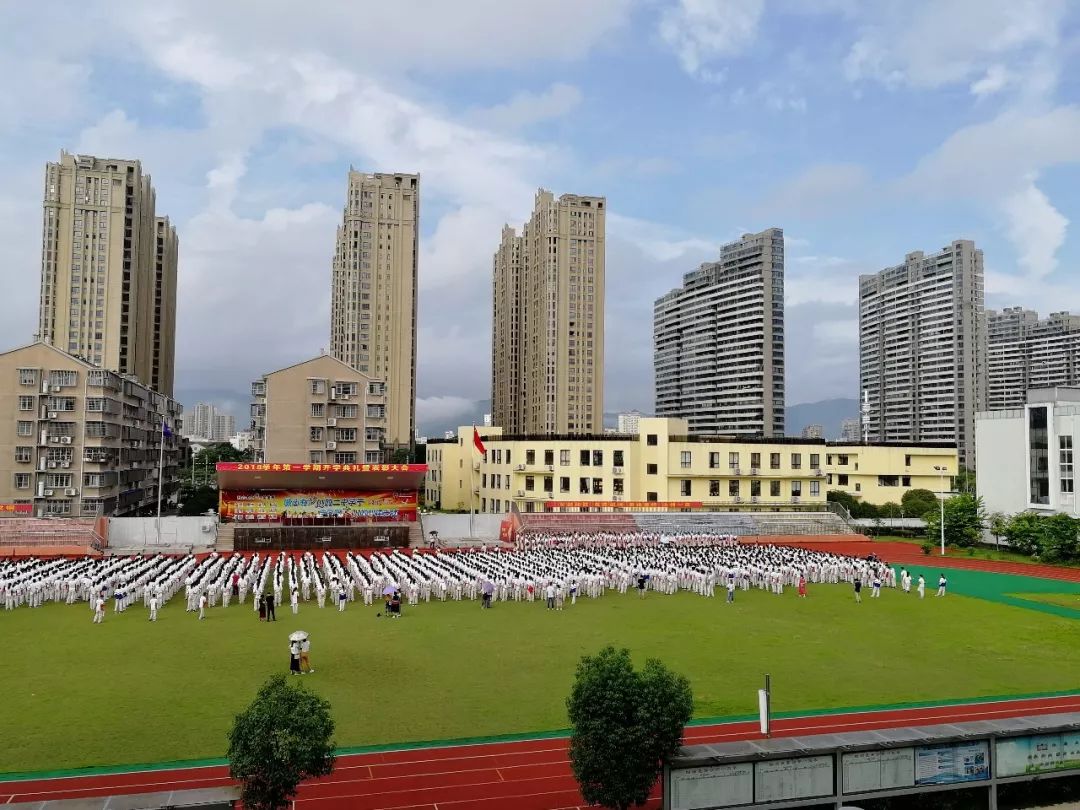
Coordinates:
(238, 476)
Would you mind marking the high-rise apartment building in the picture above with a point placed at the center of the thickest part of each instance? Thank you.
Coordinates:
(224, 427)
(548, 330)
(850, 429)
(318, 412)
(813, 432)
(373, 302)
(205, 423)
(718, 342)
(108, 269)
(627, 423)
(922, 349)
(1026, 351)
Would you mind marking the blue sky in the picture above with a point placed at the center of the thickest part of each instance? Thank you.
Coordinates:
(865, 129)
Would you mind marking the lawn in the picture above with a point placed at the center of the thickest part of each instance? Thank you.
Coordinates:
(128, 691)
(1068, 600)
(975, 553)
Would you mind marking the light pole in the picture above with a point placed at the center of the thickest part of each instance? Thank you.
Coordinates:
(941, 497)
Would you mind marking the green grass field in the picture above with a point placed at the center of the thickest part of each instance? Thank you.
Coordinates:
(1067, 600)
(128, 691)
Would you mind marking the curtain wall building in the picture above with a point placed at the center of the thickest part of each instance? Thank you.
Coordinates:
(922, 349)
(718, 342)
(548, 327)
(1026, 352)
(373, 301)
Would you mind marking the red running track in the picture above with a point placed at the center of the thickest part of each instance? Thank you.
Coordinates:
(525, 775)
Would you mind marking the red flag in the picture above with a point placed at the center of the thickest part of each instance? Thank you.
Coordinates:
(477, 443)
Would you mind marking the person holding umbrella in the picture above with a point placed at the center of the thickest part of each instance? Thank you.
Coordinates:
(294, 654)
(487, 589)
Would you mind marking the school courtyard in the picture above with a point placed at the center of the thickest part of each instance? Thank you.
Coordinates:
(128, 691)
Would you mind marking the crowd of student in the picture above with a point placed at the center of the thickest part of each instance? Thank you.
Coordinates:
(554, 568)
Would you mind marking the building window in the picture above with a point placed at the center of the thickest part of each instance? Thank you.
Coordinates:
(685, 459)
(714, 461)
(841, 479)
(63, 378)
(650, 439)
(346, 434)
(842, 460)
(318, 409)
(905, 480)
(774, 461)
(796, 489)
(26, 403)
(1039, 450)
(24, 429)
(907, 460)
(23, 454)
(345, 458)
(755, 461)
(733, 488)
(815, 489)
(549, 458)
(530, 457)
(616, 458)
(796, 461)
(315, 434)
(1065, 452)
(651, 496)
(583, 486)
(318, 386)
(598, 458)
(564, 458)
(530, 483)
(685, 487)
(650, 469)
(617, 486)
(755, 488)
(22, 480)
(583, 458)
(27, 376)
(598, 486)
(888, 480)
(774, 489)
(548, 483)
(714, 488)
(815, 461)
(733, 461)
(564, 483)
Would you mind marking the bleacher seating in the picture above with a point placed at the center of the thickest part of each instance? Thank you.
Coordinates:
(741, 524)
(560, 522)
(23, 535)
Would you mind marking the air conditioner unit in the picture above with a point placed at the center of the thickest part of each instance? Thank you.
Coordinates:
(56, 389)
(331, 445)
(738, 499)
(551, 468)
(614, 470)
(71, 492)
(48, 493)
(52, 415)
(754, 471)
(346, 396)
(52, 465)
(616, 497)
(794, 498)
(56, 439)
(521, 493)
(331, 422)
(519, 467)
(65, 440)
(819, 474)
(754, 499)
(65, 464)
(736, 471)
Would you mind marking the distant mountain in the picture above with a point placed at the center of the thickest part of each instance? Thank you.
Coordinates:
(828, 413)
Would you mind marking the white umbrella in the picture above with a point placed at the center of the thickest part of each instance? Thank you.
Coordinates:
(299, 635)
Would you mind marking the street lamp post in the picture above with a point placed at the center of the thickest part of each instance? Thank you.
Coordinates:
(941, 498)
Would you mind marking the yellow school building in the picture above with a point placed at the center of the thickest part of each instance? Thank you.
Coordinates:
(663, 465)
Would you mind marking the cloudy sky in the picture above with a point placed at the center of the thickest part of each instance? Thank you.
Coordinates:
(864, 129)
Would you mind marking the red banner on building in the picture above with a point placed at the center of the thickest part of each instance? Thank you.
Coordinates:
(16, 509)
(250, 466)
(274, 504)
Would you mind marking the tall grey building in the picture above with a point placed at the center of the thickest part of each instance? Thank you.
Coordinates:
(373, 296)
(718, 342)
(922, 349)
(1026, 351)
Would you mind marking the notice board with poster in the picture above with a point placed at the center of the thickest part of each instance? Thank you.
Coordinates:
(866, 771)
(712, 786)
(948, 763)
(1040, 753)
(794, 778)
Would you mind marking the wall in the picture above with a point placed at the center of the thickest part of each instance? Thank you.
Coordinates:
(176, 532)
(456, 527)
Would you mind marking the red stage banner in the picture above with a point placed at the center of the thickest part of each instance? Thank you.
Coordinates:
(246, 466)
(16, 508)
(271, 504)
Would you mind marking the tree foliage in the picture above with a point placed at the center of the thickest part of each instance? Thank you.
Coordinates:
(626, 724)
(845, 499)
(197, 500)
(917, 502)
(1054, 538)
(284, 737)
(964, 516)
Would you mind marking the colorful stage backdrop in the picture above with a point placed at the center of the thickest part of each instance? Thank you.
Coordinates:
(336, 503)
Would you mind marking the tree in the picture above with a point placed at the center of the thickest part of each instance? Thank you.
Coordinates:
(204, 462)
(626, 725)
(400, 456)
(963, 521)
(964, 481)
(864, 510)
(1023, 533)
(284, 737)
(917, 502)
(998, 524)
(197, 500)
(845, 499)
(890, 510)
(1058, 538)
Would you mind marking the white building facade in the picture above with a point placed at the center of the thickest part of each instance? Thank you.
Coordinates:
(1028, 461)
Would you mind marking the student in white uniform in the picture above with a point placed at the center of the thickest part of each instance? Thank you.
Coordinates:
(922, 586)
(202, 606)
(294, 600)
(876, 592)
(99, 610)
(153, 607)
(941, 585)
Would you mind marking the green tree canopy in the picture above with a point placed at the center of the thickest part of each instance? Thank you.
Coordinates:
(846, 500)
(197, 500)
(284, 737)
(1023, 531)
(626, 724)
(917, 502)
(889, 510)
(963, 521)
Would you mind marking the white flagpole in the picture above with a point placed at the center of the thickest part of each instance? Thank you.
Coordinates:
(472, 477)
(160, 479)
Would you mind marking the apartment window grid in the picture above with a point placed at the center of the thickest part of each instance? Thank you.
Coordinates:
(23, 428)
(1065, 458)
(26, 403)
(22, 480)
(27, 376)
(685, 459)
(24, 455)
(733, 461)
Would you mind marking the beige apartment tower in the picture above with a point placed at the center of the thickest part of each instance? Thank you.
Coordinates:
(373, 303)
(320, 411)
(548, 319)
(80, 441)
(108, 269)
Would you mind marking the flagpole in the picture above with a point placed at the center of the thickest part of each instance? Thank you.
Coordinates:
(160, 477)
(472, 478)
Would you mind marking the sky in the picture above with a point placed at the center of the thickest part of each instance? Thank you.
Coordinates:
(866, 130)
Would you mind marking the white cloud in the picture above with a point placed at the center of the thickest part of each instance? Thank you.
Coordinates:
(844, 332)
(993, 81)
(1035, 227)
(932, 43)
(526, 109)
(702, 31)
(820, 190)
